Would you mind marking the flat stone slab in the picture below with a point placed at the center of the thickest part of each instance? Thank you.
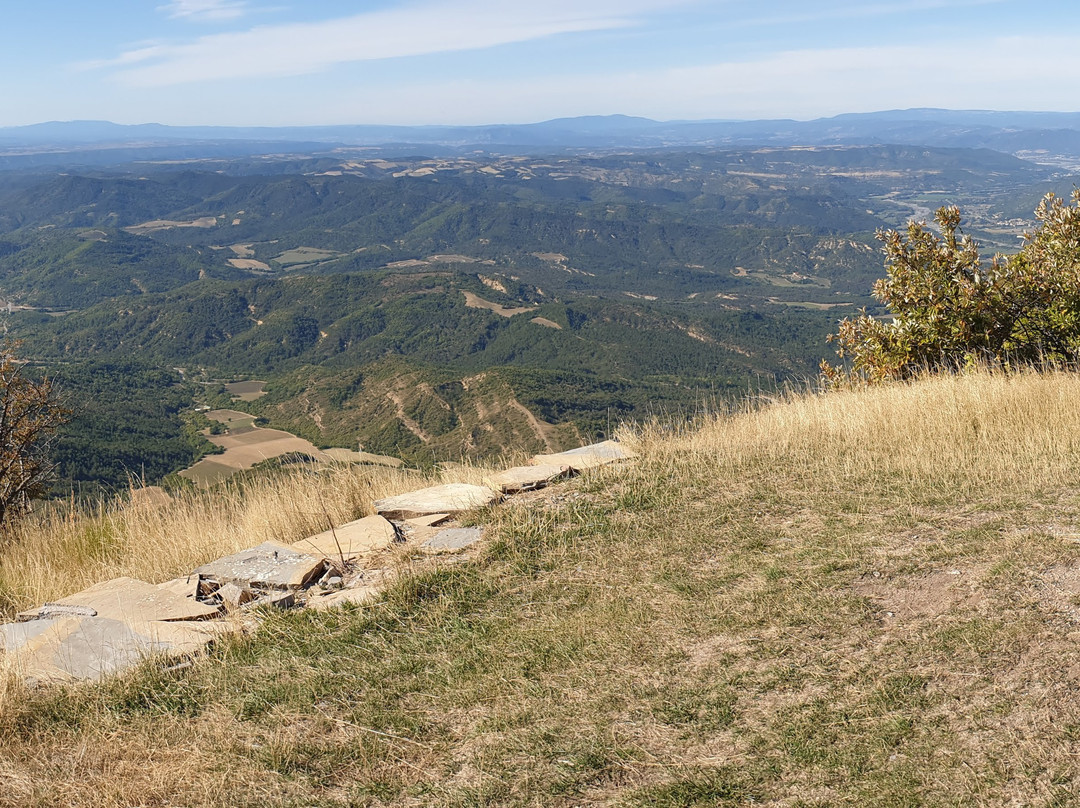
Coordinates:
(451, 498)
(268, 566)
(453, 539)
(130, 600)
(527, 478)
(82, 648)
(587, 457)
(350, 540)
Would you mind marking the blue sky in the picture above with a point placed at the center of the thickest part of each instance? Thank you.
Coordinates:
(286, 62)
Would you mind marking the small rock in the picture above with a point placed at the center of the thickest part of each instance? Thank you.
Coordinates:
(453, 539)
(233, 596)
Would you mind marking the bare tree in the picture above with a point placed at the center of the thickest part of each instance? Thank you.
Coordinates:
(30, 414)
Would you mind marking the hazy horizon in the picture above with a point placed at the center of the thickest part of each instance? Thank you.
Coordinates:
(475, 62)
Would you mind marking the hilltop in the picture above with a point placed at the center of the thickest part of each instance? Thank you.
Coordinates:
(859, 597)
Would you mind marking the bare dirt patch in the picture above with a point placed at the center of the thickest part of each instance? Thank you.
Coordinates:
(408, 263)
(243, 449)
(249, 263)
(544, 321)
(474, 302)
(350, 456)
(168, 224)
(1059, 589)
(242, 250)
(928, 595)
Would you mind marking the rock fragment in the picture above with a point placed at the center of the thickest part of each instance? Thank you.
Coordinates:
(450, 499)
(587, 457)
(81, 648)
(350, 540)
(131, 600)
(453, 539)
(527, 478)
(268, 566)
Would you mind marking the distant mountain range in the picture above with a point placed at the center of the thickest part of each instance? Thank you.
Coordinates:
(1052, 133)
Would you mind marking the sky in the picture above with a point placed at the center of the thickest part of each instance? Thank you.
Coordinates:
(320, 62)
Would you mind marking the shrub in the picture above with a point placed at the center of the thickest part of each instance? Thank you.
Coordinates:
(950, 309)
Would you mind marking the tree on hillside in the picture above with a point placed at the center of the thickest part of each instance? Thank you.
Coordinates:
(950, 309)
(30, 413)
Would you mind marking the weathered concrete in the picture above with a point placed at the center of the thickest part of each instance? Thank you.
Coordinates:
(453, 539)
(186, 586)
(131, 600)
(268, 566)
(76, 648)
(350, 540)
(587, 457)
(451, 498)
(527, 478)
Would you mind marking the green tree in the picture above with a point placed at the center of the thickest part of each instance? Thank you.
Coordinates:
(951, 309)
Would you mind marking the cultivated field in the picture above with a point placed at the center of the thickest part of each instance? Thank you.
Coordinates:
(245, 391)
(244, 447)
(168, 224)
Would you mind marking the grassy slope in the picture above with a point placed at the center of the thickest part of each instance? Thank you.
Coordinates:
(860, 598)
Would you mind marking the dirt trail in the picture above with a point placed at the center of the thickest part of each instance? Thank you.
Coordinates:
(410, 424)
(542, 431)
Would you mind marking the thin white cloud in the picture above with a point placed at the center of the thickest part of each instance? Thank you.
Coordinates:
(1007, 73)
(435, 26)
(821, 12)
(200, 10)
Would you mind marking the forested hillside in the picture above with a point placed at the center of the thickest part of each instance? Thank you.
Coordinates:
(445, 307)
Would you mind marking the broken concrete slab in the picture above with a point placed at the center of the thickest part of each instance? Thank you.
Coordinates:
(186, 586)
(130, 600)
(267, 566)
(453, 539)
(451, 498)
(527, 478)
(358, 595)
(79, 648)
(587, 457)
(233, 596)
(350, 540)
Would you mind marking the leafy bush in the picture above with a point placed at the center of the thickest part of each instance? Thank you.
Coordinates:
(950, 309)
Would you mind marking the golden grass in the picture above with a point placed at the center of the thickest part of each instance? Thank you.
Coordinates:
(957, 432)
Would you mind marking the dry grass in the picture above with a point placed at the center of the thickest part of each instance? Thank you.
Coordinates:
(966, 433)
(63, 550)
(863, 598)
